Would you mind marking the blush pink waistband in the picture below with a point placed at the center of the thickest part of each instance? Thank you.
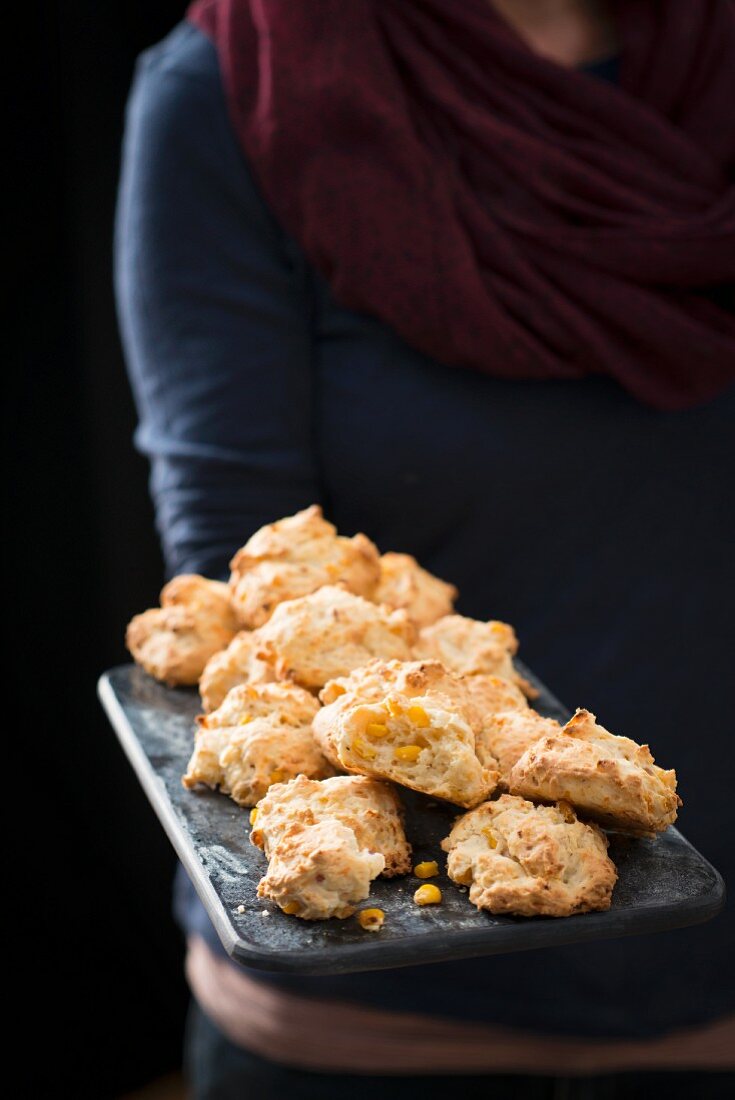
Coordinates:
(332, 1036)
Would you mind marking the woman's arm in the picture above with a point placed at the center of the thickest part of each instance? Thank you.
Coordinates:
(214, 311)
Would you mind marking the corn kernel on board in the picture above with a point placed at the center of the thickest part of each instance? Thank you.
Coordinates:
(664, 883)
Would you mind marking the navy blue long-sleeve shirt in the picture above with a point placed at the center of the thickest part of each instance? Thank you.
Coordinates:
(599, 527)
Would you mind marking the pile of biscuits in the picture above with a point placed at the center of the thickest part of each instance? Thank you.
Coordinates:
(331, 676)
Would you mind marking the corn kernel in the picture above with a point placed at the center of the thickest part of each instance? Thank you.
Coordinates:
(257, 838)
(253, 815)
(490, 837)
(337, 690)
(371, 919)
(418, 716)
(292, 908)
(428, 894)
(363, 750)
(427, 869)
(376, 729)
(245, 719)
(408, 753)
(394, 707)
(277, 775)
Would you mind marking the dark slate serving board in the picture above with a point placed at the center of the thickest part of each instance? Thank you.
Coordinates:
(664, 883)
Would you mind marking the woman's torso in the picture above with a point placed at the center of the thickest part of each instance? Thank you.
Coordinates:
(599, 529)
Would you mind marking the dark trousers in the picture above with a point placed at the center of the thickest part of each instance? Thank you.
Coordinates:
(218, 1070)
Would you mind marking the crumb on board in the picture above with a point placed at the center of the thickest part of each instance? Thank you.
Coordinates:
(241, 908)
(265, 912)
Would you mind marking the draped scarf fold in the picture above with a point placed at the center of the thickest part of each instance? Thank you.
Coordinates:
(499, 211)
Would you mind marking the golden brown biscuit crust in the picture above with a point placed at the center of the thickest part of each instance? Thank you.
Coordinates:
(328, 634)
(404, 584)
(235, 665)
(294, 557)
(468, 647)
(283, 703)
(508, 734)
(375, 680)
(418, 742)
(370, 808)
(174, 642)
(319, 871)
(489, 695)
(260, 735)
(611, 779)
(530, 860)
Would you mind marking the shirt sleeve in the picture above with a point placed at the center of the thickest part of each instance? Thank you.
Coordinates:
(215, 317)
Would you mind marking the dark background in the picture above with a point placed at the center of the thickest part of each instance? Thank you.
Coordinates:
(104, 950)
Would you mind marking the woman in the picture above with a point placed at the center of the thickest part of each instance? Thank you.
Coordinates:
(459, 272)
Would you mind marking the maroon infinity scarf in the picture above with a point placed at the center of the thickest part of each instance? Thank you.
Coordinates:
(499, 211)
